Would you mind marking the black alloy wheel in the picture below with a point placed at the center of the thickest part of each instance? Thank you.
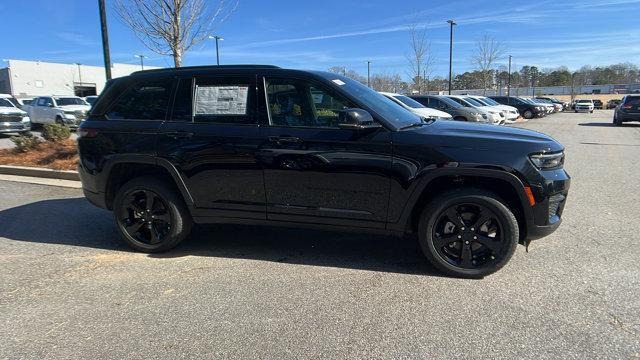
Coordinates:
(151, 215)
(468, 236)
(468, 232)
(145, 217)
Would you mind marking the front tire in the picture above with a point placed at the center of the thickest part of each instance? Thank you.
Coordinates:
(468, 233)
(528, 114)
(151, 216)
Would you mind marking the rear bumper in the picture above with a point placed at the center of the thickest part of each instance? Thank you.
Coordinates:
(628, 117)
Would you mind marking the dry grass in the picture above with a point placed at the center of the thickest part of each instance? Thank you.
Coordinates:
(59, 156)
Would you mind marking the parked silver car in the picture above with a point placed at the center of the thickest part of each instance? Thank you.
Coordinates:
(458, 111)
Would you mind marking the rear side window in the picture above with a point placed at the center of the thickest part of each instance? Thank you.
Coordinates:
(224, 101)
(145, 100)
(632, 100)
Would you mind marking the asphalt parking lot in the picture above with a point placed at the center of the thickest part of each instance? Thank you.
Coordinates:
(70, 289)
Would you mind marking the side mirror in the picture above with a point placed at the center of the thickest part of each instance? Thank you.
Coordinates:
(356, 119)
(50, 105)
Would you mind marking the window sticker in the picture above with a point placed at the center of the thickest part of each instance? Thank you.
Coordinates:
(338, 82)
(221, 100)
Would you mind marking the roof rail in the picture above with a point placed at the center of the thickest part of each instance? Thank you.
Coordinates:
(207, 67)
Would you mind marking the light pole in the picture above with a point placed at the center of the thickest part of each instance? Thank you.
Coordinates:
(217, 38)
(79, 74)
(368, 73)
(509, 83)
(105, 40)
(451, 24)
(142, 57)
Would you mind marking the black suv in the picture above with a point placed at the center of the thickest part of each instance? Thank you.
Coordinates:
(165, 149)
(628, 110)
(529, 110)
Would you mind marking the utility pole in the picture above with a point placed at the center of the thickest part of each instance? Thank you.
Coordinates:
(217, 38)
(509, 83)
(368, 73)
(451, 24)
(142, 57)
(105, 40)
(79, 74)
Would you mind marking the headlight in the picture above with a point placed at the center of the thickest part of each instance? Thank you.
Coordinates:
(548, 161)
(26, 119)
(70, 115)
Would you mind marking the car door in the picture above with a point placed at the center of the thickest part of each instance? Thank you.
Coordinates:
(316, 171)
(212, 139)
(48, 112)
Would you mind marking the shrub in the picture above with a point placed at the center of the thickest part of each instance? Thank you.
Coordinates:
(55, 132)
(25, 142)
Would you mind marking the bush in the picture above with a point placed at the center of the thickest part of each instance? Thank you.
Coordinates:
(25, 142)
(55, 132)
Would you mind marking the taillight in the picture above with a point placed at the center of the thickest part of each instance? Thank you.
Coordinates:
(87, 132)
(627, 106)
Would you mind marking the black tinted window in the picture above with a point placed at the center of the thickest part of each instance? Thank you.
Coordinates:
(224, 101)
(182, 107)
(146, 100)
(632, 100)
(299, 103)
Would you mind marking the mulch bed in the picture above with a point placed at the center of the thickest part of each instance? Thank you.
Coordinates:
(59, 156)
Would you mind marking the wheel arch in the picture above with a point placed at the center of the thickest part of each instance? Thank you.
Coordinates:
(506, 185)
(122, 170)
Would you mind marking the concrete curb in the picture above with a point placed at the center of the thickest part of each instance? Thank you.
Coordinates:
(39, 172)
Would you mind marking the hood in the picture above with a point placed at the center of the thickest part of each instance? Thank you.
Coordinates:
(506, 107)
(484, 137)
(428, 112)
(11, 110)
(75, 107)
(490, 109)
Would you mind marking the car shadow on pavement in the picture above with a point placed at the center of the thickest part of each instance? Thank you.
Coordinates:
(75, 222)
(607, 124)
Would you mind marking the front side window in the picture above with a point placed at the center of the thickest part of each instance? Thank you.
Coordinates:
(145, 100)
(298, 103)
(70, 101)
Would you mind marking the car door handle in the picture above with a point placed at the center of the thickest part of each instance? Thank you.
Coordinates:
(179, 134)
(284, 139)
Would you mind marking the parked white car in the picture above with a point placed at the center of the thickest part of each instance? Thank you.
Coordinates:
(584, 105)
(511, 114)
(496, 116)
(12, 119)
(417, 108)
(65, 110)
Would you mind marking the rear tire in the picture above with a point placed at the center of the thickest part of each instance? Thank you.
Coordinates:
(151, 215)
(462, 245)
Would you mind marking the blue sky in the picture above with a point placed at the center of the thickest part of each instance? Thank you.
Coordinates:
(321, 34)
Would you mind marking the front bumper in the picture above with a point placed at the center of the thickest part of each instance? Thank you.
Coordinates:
(551, 197)
(14, 126)
(583, 109)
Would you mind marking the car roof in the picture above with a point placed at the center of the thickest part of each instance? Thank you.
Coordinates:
(389, 94)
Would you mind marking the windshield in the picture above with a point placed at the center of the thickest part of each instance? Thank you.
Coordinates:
(584, 101)
(6, 103)
(472, 101)
(70, 101)
(409, 102)
(450, 102)
(375, 101)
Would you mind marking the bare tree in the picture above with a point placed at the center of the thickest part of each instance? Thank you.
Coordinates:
(487, 52)
(420, 57)
(172, 27)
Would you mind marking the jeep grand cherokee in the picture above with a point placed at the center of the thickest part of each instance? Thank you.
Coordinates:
(164, 149)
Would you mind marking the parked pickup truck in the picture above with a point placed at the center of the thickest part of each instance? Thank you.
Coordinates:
(64, 110)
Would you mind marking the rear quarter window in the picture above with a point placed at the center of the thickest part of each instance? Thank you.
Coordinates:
(144, 100)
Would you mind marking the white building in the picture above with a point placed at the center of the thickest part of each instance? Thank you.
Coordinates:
(35, 78)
